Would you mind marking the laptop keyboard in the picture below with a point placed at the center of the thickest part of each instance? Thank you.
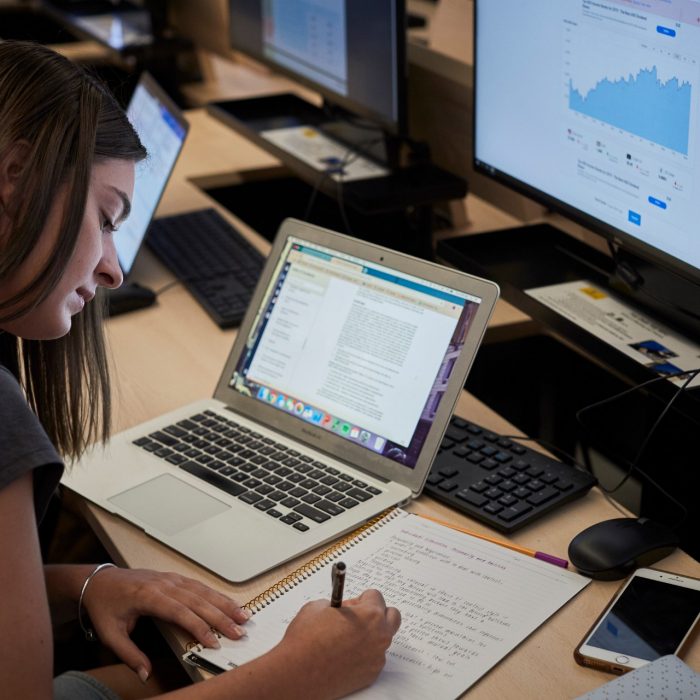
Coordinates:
(498, 481)
(289, 486)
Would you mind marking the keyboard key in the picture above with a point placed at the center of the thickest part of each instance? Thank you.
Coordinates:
(163, 437)
(507, 500)
(290, 502)
(322, 490)
(330, 508)
(140, 442)
(493, 479)
(475, 457)
(493, 493)
(493, 508)
(348, 503)
(335, 496)
(176, 459)
(472, 497)
(290, 518)
(480, 486)
(534, 485)
(514, 512)
(301, 527)
(546, 494)
(563, 485)
(250, 497)
(489, 464)
(318, 516)
(456, 433)
(448, 485)
(273, 513)
(277, 496)
(213, 478)
(359, 494)
(374, 491)
(448, 472)
(265, 504)
(310, 498)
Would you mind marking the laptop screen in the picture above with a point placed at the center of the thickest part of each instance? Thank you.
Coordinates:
(162, 131)
(356, 348)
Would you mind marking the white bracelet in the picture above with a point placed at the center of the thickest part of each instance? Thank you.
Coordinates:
(89, 632)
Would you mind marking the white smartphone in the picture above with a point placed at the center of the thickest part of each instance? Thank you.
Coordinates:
(654, 613)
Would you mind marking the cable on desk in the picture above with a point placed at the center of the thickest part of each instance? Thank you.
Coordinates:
(634, 467)
(167, 286)
(351, 154)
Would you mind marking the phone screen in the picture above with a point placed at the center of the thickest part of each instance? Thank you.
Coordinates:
(649, 620)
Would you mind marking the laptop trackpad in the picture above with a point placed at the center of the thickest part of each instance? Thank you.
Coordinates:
(168, 504)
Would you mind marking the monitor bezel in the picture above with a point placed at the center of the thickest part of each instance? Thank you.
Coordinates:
(398, 126)
(614, 235)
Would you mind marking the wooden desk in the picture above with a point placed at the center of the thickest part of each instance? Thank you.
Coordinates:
(171, 354)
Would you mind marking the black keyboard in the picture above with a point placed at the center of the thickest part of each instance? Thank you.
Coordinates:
(289, 486)
(213, 260)
(498, 481)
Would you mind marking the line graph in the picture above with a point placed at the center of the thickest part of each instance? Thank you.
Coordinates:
(642, 104)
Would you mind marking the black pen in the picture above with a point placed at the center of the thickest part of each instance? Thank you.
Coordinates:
(338, 578)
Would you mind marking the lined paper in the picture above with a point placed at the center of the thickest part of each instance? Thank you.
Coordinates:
(464, 602)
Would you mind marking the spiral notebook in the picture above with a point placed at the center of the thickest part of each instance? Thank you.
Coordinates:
(465, 604)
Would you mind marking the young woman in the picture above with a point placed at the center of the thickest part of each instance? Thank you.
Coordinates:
(67, 158)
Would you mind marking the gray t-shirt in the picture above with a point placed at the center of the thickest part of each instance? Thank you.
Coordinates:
(24, 444)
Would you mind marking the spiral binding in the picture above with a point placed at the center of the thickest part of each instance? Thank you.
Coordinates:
(318, 562)
(310, 567)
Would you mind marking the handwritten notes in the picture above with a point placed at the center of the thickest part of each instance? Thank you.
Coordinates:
(465, 603)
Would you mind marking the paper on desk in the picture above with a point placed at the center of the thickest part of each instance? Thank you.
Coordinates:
(324, 154)
(622, 326)
(465, 603)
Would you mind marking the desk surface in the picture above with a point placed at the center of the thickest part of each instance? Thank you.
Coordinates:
(171, 354)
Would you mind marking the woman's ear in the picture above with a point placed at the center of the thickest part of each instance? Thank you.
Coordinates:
(12, 162)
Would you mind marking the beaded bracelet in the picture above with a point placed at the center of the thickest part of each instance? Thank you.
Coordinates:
(89, 632)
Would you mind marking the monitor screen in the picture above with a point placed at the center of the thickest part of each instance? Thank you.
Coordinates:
(352, 52)
(591, 106)
(162, 131)
(356, 348)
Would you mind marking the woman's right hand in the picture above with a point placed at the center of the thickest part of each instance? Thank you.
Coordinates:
(330, 652)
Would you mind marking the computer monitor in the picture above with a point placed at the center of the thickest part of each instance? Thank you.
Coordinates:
(350, 51)
(591, 107)
(162, 130)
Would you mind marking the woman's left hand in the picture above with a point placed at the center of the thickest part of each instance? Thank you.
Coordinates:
(116, 598)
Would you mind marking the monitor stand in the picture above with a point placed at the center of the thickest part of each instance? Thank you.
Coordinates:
(341, 158)
(129, 297)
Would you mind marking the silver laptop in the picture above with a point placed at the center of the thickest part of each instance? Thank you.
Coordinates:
(330, 408)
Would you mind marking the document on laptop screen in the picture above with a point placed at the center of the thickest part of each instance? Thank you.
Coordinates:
(355, 347)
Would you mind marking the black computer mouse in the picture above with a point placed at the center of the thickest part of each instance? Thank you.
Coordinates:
(614, 548)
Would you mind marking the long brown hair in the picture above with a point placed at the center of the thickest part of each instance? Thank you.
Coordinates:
(69, 122)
